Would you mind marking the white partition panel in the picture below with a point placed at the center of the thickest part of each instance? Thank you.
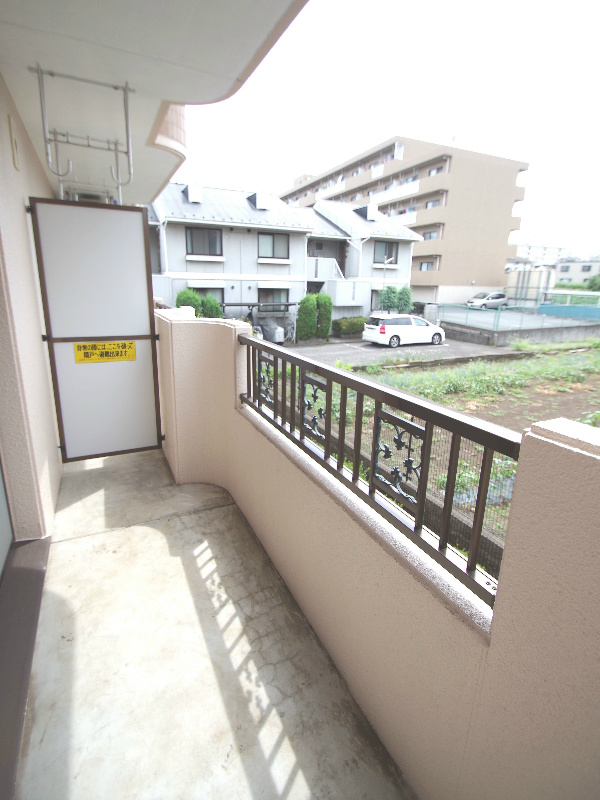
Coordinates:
(106, 407)
(96, 290)
(94, 269)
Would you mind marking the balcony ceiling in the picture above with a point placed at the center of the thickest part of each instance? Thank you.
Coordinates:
(178, 52)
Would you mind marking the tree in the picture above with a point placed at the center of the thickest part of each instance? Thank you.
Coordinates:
(405, 301)
(306, 323)
(324, 309)
(593, 285)
(389, 298)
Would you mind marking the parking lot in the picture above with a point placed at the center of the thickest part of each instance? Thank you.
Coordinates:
(359, 353)
(506, 319)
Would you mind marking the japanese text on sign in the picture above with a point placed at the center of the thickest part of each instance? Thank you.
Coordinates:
(103, 352)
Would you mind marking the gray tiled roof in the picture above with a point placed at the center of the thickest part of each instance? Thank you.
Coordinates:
(328, 219)
(344, 216)
(228, 207)
(321, 227)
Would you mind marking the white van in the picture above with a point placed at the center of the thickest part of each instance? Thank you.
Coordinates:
(384, 327)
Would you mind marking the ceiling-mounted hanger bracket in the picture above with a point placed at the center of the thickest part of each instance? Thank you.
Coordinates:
(56, 139)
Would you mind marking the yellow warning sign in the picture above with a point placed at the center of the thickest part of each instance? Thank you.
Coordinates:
(103, 352)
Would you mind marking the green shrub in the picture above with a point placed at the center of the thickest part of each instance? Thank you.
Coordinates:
(211, 308)
(324, 309)
(574, 286)
(188, 297)
(306, 322)
(405, 301)
(349, 324)
(389, 298)
(593, 285)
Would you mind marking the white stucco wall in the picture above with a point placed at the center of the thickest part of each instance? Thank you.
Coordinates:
(240, 274)
(460, 294)
(464, 713)
(28, 435)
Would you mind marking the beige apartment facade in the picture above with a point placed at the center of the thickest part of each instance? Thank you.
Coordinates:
(459, 201)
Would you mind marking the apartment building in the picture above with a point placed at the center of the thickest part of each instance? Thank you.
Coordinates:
(246, 248)
(540, 254)
(459, 201)
(577, 270)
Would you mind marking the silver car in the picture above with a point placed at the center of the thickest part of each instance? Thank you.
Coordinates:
(488, 300)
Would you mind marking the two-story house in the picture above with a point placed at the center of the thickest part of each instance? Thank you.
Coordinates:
(247, 249)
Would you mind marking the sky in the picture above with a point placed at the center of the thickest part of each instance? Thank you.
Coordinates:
(517, 79)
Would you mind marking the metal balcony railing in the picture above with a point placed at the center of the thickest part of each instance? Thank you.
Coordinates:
(442, 478)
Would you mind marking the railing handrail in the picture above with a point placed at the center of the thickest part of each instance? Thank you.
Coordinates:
(392, 440)
(501, 440)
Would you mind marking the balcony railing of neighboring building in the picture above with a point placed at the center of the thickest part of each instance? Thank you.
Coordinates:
(441, 478)
(324, 269)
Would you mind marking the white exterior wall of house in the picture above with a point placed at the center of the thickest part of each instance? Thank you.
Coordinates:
(351, 292)
(28, 434)
(466, 710)
(239, 272)
(577, 271)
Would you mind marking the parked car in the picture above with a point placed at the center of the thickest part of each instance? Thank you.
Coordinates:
(396, 329)
(488, 300)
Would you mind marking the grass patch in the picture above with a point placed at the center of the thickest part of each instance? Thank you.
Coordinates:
(484, 379)
(524, 345)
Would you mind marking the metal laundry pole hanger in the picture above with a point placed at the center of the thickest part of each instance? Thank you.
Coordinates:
(56, 139)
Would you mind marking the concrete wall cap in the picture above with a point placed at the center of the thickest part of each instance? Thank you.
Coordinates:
(570, 433)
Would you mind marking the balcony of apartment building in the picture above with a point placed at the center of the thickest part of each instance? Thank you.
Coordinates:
(426, 268)
(515, 221)
(304, 591)
(313, 551)
(433, 241)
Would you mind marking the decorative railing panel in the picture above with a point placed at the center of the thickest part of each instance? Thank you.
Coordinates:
(444, 479)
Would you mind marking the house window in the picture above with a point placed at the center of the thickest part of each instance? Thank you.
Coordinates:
(203, 242)
(565, 268)
(273, 245)
(371, 192)
(586, 267)
(386, 252)
(430, 235)
(426, 266)
(435, 170)
(432, 204)
(273, 296)
(354, 197)
(211, 292)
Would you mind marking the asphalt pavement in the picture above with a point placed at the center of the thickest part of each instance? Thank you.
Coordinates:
(358, 353)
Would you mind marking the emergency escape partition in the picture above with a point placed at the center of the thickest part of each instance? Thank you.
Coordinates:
(95, 278)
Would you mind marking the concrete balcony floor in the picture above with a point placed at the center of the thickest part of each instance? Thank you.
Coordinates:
(172, 662)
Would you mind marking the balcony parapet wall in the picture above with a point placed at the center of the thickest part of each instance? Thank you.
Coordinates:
(466, 710)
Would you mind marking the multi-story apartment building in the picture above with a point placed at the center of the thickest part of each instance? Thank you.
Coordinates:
(246, 249)
(577, 270)
(460, 202)
(540, 254)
